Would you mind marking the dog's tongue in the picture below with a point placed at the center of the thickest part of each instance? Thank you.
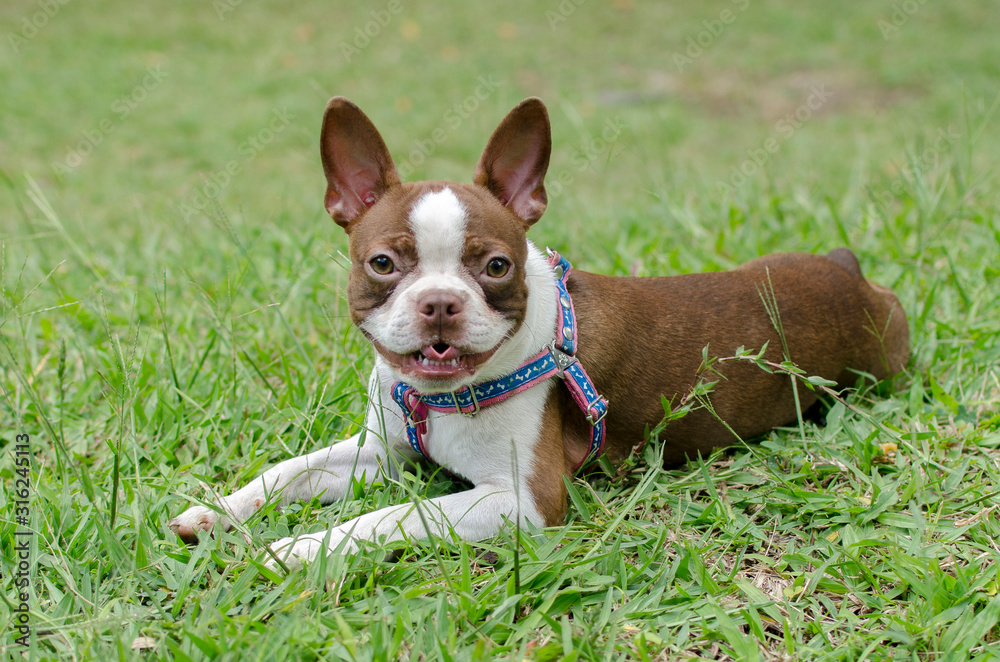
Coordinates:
(441, 352)
(442, 361)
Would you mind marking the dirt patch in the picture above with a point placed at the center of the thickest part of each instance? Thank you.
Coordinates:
(732, 93)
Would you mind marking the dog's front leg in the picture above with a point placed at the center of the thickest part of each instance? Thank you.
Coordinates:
(473, 515)
(326, 474)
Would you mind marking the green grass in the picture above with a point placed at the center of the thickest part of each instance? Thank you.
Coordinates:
(147, 345)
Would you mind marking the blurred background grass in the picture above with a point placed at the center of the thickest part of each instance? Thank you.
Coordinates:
(227, 66)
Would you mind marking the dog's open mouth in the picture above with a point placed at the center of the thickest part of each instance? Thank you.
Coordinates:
(439, 361)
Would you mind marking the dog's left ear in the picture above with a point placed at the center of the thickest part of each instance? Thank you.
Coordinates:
(514, 162)
(356, 161)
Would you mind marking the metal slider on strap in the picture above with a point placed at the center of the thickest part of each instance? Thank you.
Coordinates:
(475, 403)
(593, 405)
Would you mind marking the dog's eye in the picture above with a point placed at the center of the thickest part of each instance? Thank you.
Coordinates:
(382, 265)
(497, 268)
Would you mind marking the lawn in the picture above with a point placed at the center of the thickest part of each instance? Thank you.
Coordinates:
(173, 313)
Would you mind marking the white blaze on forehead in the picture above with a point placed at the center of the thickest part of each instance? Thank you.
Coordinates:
(438, 222)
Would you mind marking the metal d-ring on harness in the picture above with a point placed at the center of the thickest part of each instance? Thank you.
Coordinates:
(558, 358)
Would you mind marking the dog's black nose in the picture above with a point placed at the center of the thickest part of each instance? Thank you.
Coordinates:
(440, 308)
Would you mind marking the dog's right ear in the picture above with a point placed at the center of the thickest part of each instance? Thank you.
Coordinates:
(514, 162)
(358, 167)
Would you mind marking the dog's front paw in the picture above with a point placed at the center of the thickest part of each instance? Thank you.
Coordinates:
(195, 519)
(296, 552)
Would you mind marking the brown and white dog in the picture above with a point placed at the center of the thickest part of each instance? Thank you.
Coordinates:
(451, 293)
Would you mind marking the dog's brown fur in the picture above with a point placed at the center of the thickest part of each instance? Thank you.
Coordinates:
(835, 322)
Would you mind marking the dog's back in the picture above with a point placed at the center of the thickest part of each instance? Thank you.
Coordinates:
(835, 322)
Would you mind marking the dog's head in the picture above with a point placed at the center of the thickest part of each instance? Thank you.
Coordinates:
(438, 275)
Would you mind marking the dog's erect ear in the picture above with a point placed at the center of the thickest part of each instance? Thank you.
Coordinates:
(514, 162)
(355, 159)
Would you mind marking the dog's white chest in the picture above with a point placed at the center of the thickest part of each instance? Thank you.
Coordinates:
(492, 442)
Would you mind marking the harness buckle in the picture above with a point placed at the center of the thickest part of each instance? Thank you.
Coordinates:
(591, 405)
(562, 359)
(475, 402)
